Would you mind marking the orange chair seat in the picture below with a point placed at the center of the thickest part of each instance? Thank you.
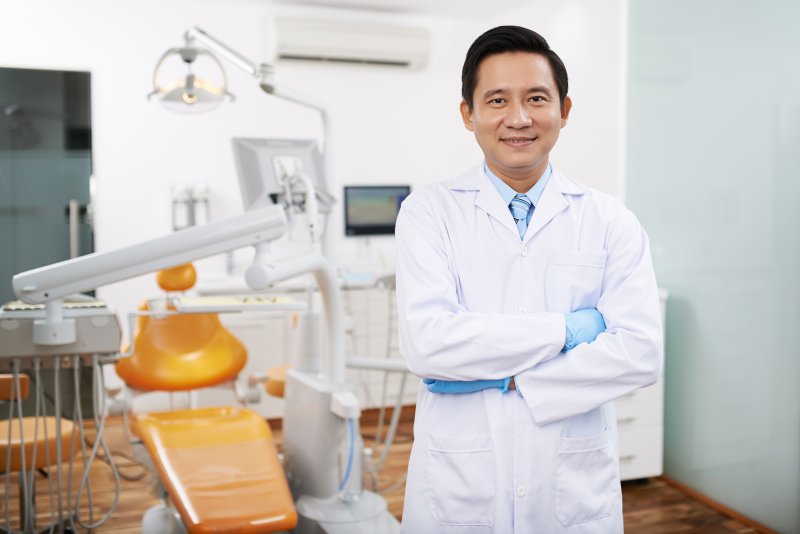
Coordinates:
(220, 469)
(182, 352)
(45, 449)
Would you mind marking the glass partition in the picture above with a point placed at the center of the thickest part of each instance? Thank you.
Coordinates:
(714, 174)
(45, 170)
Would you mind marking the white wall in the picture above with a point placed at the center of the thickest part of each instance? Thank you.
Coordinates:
(388, 125)
(591, 39)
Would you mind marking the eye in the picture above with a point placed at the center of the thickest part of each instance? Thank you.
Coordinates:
(497, 101)
(538, 99)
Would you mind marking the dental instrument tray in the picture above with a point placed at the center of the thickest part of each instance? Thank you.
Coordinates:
(98, 330)
(234, 303)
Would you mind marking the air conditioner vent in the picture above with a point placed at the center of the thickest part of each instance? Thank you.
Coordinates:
(350, 42)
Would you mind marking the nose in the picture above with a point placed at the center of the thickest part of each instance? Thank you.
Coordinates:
(517, 116)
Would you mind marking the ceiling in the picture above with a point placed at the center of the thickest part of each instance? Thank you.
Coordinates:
(467, 9)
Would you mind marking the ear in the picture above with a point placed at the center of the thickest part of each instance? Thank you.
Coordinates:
(466, 116)
(565, 109)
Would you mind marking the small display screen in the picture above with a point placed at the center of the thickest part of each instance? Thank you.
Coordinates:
(372, 210)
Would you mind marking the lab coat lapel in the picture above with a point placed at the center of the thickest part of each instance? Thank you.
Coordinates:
(551, 203)
(490, 201)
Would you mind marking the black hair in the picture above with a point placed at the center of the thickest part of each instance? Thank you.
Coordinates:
(509, 39)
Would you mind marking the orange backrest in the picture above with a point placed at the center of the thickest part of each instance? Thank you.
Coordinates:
(181, 352)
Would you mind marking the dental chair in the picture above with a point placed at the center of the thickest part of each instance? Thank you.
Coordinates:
(218, 466)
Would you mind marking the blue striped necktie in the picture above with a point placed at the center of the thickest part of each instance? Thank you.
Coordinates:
(520, 206)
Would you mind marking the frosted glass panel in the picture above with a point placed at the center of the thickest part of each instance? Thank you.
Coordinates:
(714, 174)
(45, 161)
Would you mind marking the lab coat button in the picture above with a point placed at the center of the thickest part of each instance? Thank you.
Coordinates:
(522, 311)
(520, 491)
(524, 251)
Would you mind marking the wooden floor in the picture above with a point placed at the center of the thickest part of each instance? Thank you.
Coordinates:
(652, 507)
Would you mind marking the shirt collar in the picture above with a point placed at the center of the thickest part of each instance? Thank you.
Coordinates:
(508, 194)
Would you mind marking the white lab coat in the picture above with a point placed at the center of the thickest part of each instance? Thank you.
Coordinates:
(475, 302)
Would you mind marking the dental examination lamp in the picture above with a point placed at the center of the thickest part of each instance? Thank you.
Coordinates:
(197, 93)
(194, 93)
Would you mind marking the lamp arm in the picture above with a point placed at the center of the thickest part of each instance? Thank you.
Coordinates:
(265, 74)
(263, 71)
(291, 96)
(84, 273)
(218, 47)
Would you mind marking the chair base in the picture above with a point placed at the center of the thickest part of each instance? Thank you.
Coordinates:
(161, 518)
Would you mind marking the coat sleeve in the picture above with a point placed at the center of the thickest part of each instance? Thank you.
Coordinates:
(627, 356)
(441, 339)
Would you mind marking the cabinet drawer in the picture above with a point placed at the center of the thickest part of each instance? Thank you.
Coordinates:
(641, 452)
(641, 407)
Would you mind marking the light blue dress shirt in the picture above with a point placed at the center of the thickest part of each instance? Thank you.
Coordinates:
(507, 193)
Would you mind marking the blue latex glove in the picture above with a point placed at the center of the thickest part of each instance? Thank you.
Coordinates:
(583, 326)
(447, 386)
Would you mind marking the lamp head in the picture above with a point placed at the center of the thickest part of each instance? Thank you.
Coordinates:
(188, 92)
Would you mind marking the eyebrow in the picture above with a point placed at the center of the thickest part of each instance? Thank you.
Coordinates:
(535, 89)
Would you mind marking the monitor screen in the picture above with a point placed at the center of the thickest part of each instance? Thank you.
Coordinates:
(264, 164)
(372, 210)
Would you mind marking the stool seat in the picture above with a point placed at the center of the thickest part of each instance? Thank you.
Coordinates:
(276, 380)
(45, 449)
(220, 469)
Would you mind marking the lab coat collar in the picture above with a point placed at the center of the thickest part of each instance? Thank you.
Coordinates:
(551, 203)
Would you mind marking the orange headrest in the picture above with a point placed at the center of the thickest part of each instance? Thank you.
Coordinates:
(178, 278)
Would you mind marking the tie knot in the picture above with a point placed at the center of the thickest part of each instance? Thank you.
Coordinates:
(520, 206)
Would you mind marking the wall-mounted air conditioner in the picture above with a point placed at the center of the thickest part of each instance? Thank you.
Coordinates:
(348, 42)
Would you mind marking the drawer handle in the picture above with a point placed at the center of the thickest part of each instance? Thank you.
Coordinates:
(626, 420)
(627, 458)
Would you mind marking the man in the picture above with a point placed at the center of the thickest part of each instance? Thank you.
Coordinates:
(527, 302)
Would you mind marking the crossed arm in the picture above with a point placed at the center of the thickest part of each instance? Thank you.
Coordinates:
(453, 347)
(582, 326)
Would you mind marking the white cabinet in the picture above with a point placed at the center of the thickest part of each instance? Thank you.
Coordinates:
(640, 421)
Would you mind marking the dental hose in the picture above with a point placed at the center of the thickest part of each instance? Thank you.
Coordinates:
(351, 432)
(101, 408)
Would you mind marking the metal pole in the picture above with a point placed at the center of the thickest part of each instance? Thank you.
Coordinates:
(74, 229)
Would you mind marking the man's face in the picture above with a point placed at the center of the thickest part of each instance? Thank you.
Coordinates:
(516, 116)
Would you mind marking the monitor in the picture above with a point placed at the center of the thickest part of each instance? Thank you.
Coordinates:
(372, 209)
(263, 164)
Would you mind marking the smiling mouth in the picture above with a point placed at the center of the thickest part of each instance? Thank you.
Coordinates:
(518, 141)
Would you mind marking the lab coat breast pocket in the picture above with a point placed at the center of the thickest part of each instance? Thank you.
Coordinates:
(461, 478)
(574, 280)
(587, 480)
